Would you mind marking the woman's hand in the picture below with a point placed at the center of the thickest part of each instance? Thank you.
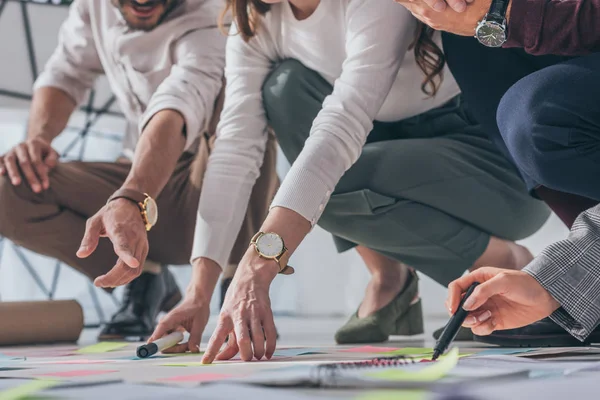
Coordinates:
(505, 299)
(193, 312)
(246, 316)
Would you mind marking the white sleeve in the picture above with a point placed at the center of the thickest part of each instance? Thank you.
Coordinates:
(234, 164)
(74, 65)
(193, 83)
(379, 32)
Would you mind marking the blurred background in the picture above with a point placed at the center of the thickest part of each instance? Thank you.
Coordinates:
(326, 284)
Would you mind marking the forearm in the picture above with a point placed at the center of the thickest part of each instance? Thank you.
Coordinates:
(50, 111)
(554, 26)
(160, 146)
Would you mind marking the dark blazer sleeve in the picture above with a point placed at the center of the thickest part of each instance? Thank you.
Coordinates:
(561, 27)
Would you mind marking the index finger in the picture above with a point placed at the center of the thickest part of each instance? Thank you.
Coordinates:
(437, 5)
(123, 249)
(457, 5)
(217, 339)
(460, 286)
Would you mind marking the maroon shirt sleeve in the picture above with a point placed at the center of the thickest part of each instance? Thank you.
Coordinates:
(562, 27)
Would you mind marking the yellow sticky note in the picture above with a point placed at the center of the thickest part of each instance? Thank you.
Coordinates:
(394, 395)
(102, 347)
(431, 373)
(184, 364)
(27, 390)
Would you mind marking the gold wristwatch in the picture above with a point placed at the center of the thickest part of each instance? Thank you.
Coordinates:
(270, 246)
(147, 205)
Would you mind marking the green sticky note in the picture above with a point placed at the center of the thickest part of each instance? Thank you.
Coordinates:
(102, 347)
(27, 390)
(437, 370)
(410, 351)
(394, 395)
(184, 364)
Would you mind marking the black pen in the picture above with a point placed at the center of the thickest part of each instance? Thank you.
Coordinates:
(451, 329)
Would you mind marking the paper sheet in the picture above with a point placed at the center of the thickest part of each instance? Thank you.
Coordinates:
(28, 389)
(198, 378)
(394, 395)
(102, 347)
(78, 373)
(504, 351)
(436, 371)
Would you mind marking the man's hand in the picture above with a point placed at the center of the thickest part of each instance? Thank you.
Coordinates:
(505, 299)
(450, 20)
(35, 157)
(246, 316)
(121, 222)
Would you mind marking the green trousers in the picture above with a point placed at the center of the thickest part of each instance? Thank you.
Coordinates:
(429, 190)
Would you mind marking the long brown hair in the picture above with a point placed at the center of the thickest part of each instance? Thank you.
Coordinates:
(429, 57)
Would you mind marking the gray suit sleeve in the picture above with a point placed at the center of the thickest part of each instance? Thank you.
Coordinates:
(570, 271)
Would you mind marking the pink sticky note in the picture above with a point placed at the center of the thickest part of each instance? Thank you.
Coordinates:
(81, 362)
(78, 373)
(198, 378)
(369, 349)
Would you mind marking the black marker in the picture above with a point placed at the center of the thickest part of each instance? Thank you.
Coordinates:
(149, 349)
(451, 329)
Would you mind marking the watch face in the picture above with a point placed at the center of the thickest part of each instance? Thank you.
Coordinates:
(491, 34)
(270, 245)
(151, 211)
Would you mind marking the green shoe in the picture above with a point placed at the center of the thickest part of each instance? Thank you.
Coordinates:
(397, 318)
(463, 335)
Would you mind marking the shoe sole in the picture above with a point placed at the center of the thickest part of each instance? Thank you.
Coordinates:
(536, 340)
(168, 304)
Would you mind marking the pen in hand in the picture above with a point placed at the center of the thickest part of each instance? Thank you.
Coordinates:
(451, 329)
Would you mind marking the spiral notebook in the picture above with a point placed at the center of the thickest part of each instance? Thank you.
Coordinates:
(382, 372)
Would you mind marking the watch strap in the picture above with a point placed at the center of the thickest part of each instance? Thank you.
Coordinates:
(497, 11)
(129, 194)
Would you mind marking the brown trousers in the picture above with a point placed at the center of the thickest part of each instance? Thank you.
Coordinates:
(53, 223)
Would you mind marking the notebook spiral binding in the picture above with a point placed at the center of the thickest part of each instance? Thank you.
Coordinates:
(326, 375)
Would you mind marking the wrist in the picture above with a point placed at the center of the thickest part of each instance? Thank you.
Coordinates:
(264, 269)
(205, 275)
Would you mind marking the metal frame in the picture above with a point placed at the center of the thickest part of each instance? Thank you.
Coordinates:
(92, 115)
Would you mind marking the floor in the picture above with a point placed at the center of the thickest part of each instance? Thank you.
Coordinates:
(82, 372)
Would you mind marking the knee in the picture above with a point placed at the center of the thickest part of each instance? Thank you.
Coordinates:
(282, 87)
(528, 117)
(10, 207)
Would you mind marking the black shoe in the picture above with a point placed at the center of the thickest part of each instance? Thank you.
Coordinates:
(544, 333)
(225, 283)
(463, 335)
(143, 300)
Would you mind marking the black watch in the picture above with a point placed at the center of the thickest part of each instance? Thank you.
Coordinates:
(491, 31)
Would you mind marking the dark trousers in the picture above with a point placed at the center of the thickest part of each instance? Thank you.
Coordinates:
(543, 113)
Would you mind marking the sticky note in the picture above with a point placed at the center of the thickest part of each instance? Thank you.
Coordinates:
(184, 364)
(394, 395)
(370, 349)
(102, 347)
(198, 378)
(28, 389)
(297, 352)
(78, 373)
(410, 351)
(437, 370)
(83, 361)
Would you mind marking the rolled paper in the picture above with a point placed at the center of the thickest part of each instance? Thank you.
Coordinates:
(36, 322)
